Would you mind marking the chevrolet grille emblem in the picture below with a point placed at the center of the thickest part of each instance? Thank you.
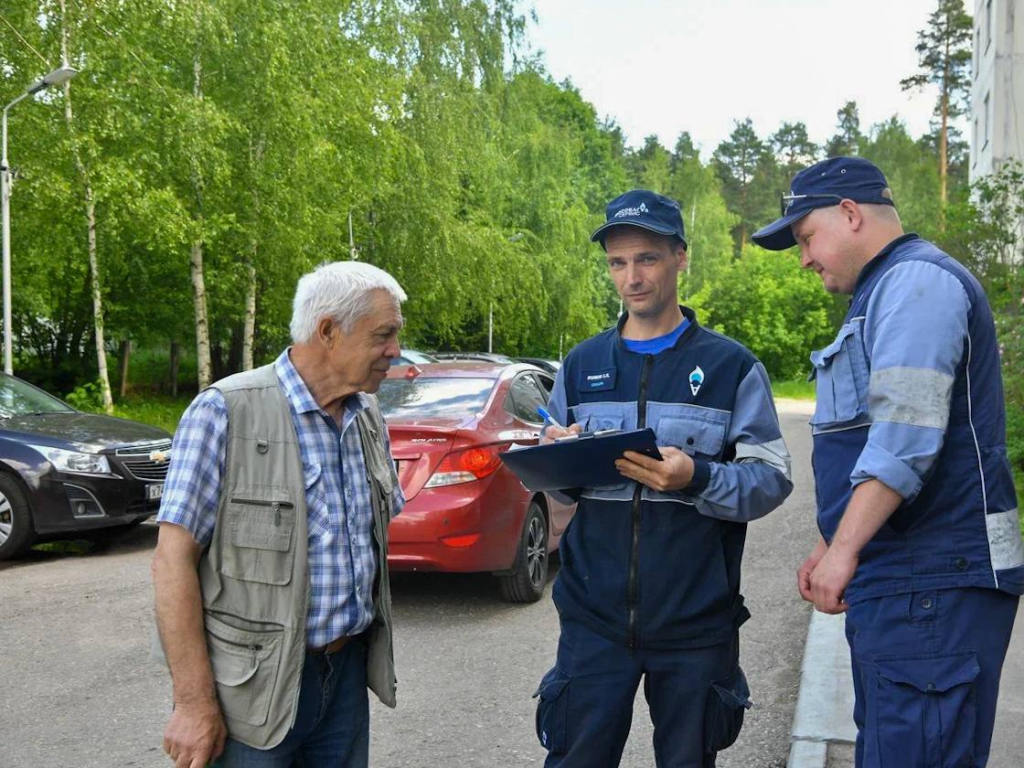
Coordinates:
(160, 457)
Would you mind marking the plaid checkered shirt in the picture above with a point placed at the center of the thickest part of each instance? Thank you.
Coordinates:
(342, 560)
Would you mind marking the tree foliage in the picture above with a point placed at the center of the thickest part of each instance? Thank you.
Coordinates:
(420, 137)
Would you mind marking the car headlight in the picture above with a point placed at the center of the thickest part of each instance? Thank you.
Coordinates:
(72, 461)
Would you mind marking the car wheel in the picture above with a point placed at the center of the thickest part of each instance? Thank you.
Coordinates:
(16, 532)
(527, 581)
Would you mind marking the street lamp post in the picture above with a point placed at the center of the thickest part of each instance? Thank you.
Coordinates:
(56, 77)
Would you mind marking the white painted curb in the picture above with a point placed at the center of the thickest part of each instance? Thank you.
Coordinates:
(824, 708)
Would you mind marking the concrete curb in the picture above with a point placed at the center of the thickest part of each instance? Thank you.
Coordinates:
(824, 708)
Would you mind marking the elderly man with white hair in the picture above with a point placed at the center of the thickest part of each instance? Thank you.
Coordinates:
(270, 572)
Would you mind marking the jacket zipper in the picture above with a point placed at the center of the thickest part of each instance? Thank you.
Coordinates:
(634, 553)
(253, 648)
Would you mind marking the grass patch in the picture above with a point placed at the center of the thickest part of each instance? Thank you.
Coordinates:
(796, 389)
(73, 547)
(157, 410)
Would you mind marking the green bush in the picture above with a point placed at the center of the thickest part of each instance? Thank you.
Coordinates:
(767, 302)
(1011, 346)
(86, 397)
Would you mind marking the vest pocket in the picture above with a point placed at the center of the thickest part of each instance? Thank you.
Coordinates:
(841, 370)
(245, 665)
(259, 532)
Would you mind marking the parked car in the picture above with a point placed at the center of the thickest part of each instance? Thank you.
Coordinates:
(551, 366)
(64, 471)
(413, 357)
(483, 357)
(465, 510)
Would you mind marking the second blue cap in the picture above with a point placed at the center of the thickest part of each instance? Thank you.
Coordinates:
(646, 210)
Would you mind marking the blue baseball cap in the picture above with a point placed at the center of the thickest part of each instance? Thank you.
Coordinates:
(822, 185)
(644, 209)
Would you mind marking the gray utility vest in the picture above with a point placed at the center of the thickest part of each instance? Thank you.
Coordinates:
(254, 574)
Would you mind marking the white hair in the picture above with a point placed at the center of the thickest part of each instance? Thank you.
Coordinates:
(341, 291)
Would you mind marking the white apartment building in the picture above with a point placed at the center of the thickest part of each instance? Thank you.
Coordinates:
(997, 90)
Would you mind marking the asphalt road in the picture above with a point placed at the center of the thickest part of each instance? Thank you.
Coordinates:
(79, 689)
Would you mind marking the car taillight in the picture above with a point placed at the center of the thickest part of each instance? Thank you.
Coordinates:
(465, 466)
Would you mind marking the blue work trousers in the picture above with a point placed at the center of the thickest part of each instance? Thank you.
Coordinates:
(332, 726)
(696, 696)
(926, 669)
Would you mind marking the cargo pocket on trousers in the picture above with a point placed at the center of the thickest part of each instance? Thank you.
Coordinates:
(245, 665)
(553, 711)
(728, 700)
(925, 711)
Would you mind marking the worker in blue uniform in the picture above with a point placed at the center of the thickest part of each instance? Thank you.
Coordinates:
(649, 586)
(920, 540)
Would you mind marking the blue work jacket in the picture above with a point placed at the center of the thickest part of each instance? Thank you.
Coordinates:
(662, 570)
(910, 394)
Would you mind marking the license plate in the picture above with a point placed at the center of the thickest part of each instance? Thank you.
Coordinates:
(154, 491)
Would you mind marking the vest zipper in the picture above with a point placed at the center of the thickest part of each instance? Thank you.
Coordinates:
(634, 553)
(274, 505)
(252, 647)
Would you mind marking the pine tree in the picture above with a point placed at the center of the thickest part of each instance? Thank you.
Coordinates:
(944, 58)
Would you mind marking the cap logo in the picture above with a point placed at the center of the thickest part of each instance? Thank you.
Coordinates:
(789, 202)
(640, 209)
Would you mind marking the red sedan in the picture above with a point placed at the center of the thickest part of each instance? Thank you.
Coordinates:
(465, 510)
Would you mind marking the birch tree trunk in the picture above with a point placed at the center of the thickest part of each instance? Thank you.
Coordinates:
(203, 362)
(90, 218)
(249, 330)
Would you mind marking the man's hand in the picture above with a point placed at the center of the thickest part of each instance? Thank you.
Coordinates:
(830, 579)
(552, 432)
(803, 573)
(195, 734)
(870, 506)
(673, 473)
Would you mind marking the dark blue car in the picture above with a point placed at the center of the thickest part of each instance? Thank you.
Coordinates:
(63, 471)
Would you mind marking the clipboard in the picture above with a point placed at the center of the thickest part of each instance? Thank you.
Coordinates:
(584, 461)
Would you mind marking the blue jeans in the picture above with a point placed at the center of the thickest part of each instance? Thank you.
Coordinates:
(926, 669)
(332, 726)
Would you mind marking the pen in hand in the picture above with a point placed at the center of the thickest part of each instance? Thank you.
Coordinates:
(548, 418)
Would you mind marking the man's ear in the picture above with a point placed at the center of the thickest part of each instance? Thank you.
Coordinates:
(326, 332)
(852, 214)
(681, 253)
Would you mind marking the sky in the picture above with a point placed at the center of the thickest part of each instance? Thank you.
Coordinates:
(665, 66)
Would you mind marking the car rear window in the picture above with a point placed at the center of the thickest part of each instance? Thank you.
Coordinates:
(425, 396)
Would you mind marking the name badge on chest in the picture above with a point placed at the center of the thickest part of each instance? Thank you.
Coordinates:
(596, 381)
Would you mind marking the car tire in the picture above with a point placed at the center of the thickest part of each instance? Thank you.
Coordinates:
(529, 577)
(16, 531)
